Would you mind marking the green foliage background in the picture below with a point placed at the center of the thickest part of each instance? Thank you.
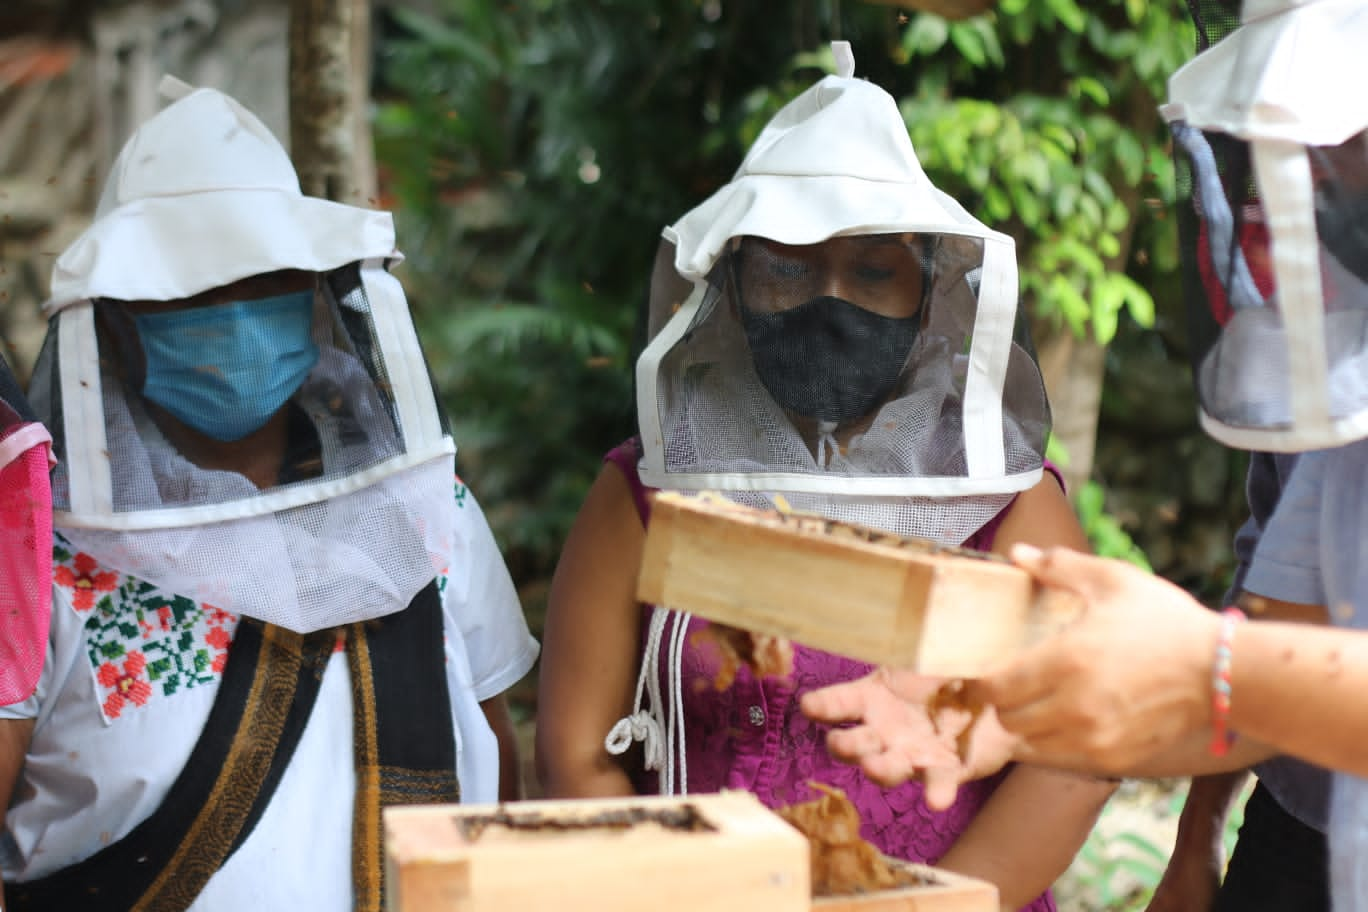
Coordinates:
(535, 148)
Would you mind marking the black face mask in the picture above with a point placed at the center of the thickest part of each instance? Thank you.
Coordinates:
(1342, 223)
(828, 359)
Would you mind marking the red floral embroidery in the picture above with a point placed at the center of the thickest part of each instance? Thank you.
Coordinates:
(127, 684)
(218, 636)
(142, 643)
(84, 582)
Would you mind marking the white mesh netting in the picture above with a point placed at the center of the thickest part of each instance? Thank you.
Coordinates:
(722, 429)
(357, 523)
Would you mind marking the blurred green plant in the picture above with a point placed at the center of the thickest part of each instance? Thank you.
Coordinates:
(1122, 870)
(1118, 870)
(1105, 532)
(1072, 160)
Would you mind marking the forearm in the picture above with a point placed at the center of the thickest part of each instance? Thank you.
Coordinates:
(14, 741)
(1295, 689)
(1029, 831)
(510, 763)
(572, 758)
(1202, 824)
(603, 779)
(1300, 689)
(1192, 756)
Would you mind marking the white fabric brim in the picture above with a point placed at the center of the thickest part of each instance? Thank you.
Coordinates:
(172, 247)
(1294, 75)
(793, 209)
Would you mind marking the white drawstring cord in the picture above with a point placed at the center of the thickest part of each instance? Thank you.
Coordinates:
(676, 686)
(659, 725)
(826, 443)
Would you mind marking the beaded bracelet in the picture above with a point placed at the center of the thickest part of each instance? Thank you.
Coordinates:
(1221, 736)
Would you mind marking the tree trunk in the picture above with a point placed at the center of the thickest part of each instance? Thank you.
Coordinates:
(1073, 369)
(330, 138)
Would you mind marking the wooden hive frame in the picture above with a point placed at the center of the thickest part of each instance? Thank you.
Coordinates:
(944, 892)
(596, 855)
(844, 588)
(612, 855)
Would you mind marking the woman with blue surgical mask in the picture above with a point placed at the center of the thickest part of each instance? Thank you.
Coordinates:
(268, 585)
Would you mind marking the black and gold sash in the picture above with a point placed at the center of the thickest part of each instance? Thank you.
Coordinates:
(404, 747)
(404, 742)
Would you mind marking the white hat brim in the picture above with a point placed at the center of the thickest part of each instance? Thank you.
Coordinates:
(1290, 75)
(808, 209)
(171, 247)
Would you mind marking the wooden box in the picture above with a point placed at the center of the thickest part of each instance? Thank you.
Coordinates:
(944, 892)
(844, 588)
(719, 852)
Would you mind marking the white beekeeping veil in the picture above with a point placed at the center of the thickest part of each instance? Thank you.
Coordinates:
(1271, 122)
(203, 196)
(925, 427)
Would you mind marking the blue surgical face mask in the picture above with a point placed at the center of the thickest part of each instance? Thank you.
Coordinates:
(225, 370)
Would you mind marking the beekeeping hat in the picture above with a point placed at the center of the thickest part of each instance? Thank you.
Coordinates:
(25, 542)
(201, 196)
(1274, 175)
(962, 409)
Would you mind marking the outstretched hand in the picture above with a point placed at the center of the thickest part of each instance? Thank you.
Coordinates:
(895, 737)
(1130, 679)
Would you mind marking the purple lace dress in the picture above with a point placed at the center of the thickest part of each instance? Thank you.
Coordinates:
(753, 736)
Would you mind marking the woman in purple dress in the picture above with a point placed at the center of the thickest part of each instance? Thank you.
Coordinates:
(829, 331)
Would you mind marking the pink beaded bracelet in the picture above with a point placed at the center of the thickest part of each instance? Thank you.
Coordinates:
(1221, 736)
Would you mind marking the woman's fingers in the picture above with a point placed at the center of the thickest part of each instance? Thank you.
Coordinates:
(891, 768)
(941, 787)
(853, 744)
(846, 702)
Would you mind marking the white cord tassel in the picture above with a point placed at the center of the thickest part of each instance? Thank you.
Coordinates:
(644, 723)
(658, 721)
(639, 726)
